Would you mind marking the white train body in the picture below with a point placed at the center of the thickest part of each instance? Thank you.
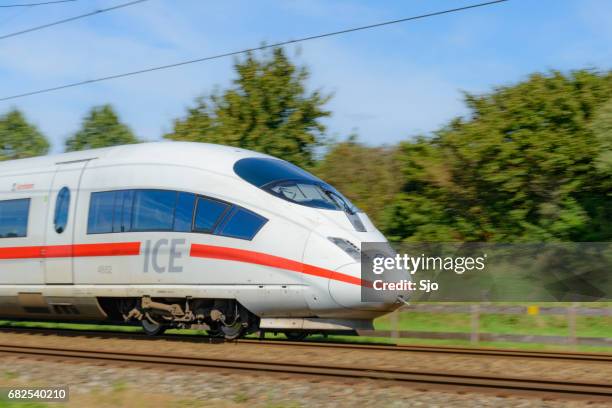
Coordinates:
(102, 225)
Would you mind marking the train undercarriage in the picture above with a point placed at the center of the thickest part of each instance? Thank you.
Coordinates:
(223, 318)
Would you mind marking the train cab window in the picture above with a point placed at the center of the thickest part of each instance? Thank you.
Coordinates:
(101, 211)
(208, 213)
(183, 215)
(62, 205)
(14, 218)
(262, 171)
(153, 210)
(291, 183)
(242, 224)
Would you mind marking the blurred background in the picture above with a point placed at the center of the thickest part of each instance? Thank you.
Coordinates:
(491, 124)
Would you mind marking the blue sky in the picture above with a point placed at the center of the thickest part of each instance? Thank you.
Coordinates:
(389, 84)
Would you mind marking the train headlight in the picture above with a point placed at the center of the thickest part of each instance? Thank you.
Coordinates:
(347, 246)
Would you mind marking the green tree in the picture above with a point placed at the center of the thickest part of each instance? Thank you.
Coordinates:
(601, 207)
(366, 175)
(523, 167)
(602, 129)
(19, 139)
(267, 109)
(100, 128)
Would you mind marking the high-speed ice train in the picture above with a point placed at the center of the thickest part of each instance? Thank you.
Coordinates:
(176, 234)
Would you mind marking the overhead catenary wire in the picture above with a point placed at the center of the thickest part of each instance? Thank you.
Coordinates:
(262, 47)
(69, 19)
(45, 3)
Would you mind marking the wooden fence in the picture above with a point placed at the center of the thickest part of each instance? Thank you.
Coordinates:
(476, 335)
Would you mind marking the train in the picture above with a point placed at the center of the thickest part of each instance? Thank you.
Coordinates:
(182, 235)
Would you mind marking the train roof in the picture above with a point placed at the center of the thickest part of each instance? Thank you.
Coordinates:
(206, 156)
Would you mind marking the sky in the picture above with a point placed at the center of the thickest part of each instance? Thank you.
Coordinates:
(388, 84)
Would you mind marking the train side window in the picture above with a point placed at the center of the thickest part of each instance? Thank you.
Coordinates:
(62, 205)
(242, 224)
(208, 213)
(128, 200)
(183, 215)
(122, 220)
(14, 218)
(153, 210)
(101, 209)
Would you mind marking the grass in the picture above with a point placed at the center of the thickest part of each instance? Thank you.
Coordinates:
(240, 398)
(23, 404)
(119, 386)
(283, 405)
(70, 326)
(10, 375)
(545, 325)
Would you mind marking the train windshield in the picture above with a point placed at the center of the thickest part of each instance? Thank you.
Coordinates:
(291, 183)
(311, 194)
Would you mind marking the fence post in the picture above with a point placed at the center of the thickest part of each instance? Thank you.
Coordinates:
(395, 323)
(475, 320)
(571, 323)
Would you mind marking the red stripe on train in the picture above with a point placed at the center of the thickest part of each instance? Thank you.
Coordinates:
(67, 251)
(197, 250)
(259, 258)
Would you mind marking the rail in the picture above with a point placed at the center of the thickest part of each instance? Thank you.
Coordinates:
(188, 338)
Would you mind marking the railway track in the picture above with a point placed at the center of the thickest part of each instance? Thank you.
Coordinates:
(487, 352)
(465, 351)
(499, 384)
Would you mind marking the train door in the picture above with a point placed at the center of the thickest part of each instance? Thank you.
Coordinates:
(59, 229)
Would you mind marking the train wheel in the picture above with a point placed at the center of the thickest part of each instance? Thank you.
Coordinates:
(152, 329)
(232, 332)
(215, 333)
(227, 332)
(295, 336)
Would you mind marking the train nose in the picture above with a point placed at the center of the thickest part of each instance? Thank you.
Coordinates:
(346, 291)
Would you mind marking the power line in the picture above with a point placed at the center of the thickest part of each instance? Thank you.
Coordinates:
(262, 47)
(36, 4)
(67, 20)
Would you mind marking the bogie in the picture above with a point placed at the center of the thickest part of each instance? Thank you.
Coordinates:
(220, 317)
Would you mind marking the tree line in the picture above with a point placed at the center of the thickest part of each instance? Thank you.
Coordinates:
(532, 161)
